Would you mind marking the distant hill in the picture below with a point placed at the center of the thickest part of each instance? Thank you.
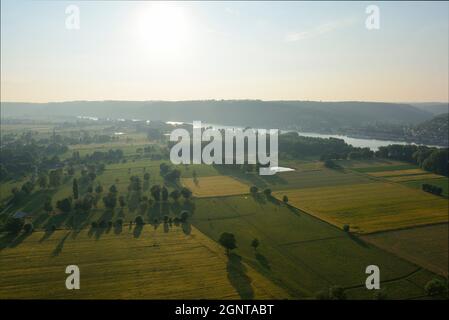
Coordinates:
(434, 107)
(302, 115)
(434, 130)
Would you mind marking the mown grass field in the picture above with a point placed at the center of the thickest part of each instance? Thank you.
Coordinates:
(426, 246)
(370, 207)
(441, 182)
(144, 263)
(215, 186)
(307, 176)
(301, 253)
(400, 172)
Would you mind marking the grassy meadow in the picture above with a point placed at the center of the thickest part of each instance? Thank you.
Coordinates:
(426, 246)
(298, 252)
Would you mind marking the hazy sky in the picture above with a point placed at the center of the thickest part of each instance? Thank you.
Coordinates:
(224, 50)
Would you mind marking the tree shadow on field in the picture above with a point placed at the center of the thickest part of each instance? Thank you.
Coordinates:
(357, 240)
(137, 230)
(273, 200)
(263, 261)
(107, 215)
(121, 213)
(109, 227)
(5, 240)
(155, 211)
(18, 240)
(238, 278)
(56, 220)
(99, 232)
(118, 229)
(47, 234)
(165, 209)
(96, 231)
(40, 219)
(60, 245)
(189, 205)
(13, 240)
(259, 198)
(186, 227)
(294, 210)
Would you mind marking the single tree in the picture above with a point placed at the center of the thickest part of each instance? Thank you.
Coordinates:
(175, 194)
(164, 194)
(139, 221)
(99, 189)
(267, 192)
(186, 193)
(337, 293)
(255, 243)
(75, 189)
(113, 189)
(65, 205)
(285, 199)
(436, 287)
(43, 181)
(71, 171)
(121, 201)
(227, 240)
(184, 215)
(253, 190)
(13, 225)
(156, 192)
(110, 200)
(28, 228)
(48, 207)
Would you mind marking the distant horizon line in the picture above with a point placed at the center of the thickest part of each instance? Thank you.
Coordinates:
(203, 100)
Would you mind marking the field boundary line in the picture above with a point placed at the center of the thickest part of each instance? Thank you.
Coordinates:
(390, 280)
(211, 244)
(405, 228)
(287, 244)
(287, 255)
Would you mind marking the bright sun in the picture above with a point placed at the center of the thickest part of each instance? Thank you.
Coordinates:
(164, 28)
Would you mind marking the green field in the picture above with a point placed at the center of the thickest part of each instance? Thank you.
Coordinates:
(441, 182)
(165, 263)
(426, 246)
(314, 176)
(297, 251)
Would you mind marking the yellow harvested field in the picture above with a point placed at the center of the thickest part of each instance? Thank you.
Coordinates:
(396, 172)
(162, 263)
(415, 177)
(215, 186)
(370, 207)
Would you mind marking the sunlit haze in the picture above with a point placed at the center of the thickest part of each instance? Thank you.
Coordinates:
(224, 50)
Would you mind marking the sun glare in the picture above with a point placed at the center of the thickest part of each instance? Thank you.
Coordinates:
(164, 28)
